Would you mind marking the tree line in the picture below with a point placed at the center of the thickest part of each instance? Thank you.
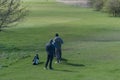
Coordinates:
(110, 6)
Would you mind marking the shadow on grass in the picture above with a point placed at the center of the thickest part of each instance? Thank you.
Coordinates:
(64, 70)
(3, 66)
(41, 63)
(76, 65)
(65, 61)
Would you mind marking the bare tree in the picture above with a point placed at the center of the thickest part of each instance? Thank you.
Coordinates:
(11, 11)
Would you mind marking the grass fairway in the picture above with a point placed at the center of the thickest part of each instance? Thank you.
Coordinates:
(91, 49)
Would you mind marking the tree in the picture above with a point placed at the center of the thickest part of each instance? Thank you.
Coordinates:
(98, 4)
(113, 7)
(11, 11)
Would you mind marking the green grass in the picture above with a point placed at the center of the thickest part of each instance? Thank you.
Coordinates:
(91, 44)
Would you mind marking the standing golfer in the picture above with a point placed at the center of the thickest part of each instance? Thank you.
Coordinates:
(50, 52)
(58, 43)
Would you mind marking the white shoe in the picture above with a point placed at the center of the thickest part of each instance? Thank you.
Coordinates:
(56, 62)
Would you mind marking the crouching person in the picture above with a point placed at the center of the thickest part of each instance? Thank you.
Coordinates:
(50, 49)
(36, 60)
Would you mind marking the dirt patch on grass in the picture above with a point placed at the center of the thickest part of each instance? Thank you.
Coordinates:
(81, 3)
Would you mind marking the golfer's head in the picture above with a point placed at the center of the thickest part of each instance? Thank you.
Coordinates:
(56, 34)
(51, 41)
